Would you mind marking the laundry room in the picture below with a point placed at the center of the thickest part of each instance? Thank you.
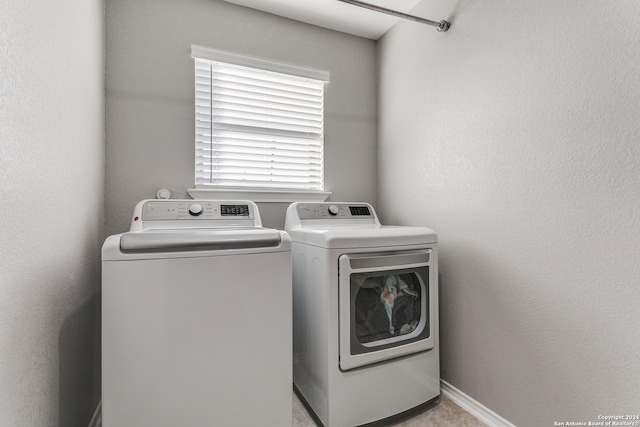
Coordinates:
(513, 136)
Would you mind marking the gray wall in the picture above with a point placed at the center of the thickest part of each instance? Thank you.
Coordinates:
(51, 215)
(149, 95)
(516, 137)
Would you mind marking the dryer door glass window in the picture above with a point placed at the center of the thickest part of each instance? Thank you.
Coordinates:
(389, 308)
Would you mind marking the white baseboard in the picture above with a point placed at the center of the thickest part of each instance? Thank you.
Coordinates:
(473, 407)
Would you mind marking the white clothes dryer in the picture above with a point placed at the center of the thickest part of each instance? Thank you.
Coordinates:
(196, 318)
(365, 314)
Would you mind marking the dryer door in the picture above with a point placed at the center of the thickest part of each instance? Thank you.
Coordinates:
(386, 306)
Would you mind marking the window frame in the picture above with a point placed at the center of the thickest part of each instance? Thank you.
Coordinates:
(257, 194)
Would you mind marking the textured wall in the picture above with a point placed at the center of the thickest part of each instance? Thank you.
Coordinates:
(149, 92)
(516, 137)
(51, 210)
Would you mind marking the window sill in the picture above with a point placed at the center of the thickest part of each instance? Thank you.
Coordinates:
(270, 196)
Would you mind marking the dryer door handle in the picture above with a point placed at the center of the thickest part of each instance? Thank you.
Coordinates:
(396, 260)
(197, 240)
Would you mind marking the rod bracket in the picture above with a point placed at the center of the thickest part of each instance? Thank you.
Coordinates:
(443, 26)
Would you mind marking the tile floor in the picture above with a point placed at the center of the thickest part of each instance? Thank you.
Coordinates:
(443, 414)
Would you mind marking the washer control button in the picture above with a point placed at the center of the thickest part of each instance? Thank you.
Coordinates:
(333, 210)
(195, 209)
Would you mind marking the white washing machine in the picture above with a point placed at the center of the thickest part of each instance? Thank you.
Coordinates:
(196, 318)
(365, 314)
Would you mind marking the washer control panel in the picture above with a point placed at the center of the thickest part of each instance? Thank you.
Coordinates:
(179, 213)
(191, 209)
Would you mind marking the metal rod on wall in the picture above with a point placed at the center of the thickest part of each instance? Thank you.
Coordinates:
(442, 26)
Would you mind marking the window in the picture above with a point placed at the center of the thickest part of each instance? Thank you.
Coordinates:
(259, 125)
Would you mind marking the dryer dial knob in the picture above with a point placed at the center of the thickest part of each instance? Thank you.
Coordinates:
(333, 210)
(195, 209)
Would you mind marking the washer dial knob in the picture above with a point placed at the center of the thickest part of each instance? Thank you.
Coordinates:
(195, 209)
(333, 210)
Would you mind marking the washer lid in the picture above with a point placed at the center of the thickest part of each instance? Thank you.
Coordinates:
(363, 236)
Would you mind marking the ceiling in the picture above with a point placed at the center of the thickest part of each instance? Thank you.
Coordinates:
(335, 15)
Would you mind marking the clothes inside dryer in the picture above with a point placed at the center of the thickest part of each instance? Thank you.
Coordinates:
(386, 305)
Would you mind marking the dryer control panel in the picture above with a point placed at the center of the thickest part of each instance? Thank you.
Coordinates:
(334, 213)
(172, 213)
(334, 210)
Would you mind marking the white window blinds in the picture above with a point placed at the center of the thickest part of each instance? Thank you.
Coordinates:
(257, 128)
